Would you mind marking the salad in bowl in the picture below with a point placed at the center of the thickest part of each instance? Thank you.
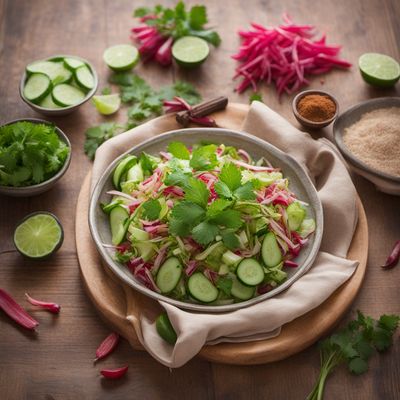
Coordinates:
(203, 223)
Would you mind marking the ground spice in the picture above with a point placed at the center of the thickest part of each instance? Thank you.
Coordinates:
(375, 139)
(316, 107)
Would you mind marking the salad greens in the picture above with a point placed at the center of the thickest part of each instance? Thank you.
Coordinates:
(30, 153)
(206, 223)
(144, 101)
(354, 345)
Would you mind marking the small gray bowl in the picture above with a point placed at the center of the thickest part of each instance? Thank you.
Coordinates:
(33, 190)
(306, 122)
(54, 112)
(300, 184)
(384, 182)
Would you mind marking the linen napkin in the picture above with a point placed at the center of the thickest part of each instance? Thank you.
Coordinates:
(330, 269)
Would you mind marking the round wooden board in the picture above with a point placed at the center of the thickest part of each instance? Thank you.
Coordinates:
(109, 297)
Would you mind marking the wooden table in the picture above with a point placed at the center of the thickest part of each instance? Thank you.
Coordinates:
(57, 362)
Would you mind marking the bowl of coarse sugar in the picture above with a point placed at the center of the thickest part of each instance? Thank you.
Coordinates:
(368, 136)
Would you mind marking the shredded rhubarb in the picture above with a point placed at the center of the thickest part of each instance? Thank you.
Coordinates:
(107, 346)
(52, 307)
(114, 373)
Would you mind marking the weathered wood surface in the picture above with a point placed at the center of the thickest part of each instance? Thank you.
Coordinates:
(57, 363)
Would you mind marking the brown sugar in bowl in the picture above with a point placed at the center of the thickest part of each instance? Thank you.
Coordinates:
(317, 123)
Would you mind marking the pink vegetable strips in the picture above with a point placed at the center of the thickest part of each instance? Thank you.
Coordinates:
(52, 307)
(283, 55)
(16, 312)
(114, 373)
(107, 346)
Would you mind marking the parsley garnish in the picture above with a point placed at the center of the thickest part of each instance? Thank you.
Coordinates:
(354, 345)
(179, 150)
(151, 209)
(30, 153)
(204, 158)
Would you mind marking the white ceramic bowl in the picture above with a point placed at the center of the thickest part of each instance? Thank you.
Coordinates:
(301, 185)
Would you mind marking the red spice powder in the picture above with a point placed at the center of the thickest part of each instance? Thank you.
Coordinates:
(316, 107)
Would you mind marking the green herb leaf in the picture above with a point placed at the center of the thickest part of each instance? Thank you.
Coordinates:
(245, 192)
(204, 158)
(177, 178)
(204, 233)
(179, 150)
(230, 240)
(147, 163)
(184, 216)
(151, 209)
(231, 176)
(196, 191)
(97, 135)
(358, 366)
(217, 206)
(223, 190)
(224, 284)
(197, 17)
(228, 219)
(255, 97)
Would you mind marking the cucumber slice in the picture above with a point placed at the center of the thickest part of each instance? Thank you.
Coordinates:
(230, 258)
(38, 235)
(121, 168)
(146, 250)
(242, 292)
(73, 63)
(250, 272)
(296, 213)
(169, 275)
(48, 102)
(118, 221)
(165, 328)
(66, 95)
(135, 174)
(54, 70)
(270, 251)
(84, 77)
(138, 234)
(37, 87)
(201, 288)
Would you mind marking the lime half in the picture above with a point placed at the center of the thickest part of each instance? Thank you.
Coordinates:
(121, 57)
(379, 69)
(38, 235)
(165, 329)
(190, 51)
(107, 104)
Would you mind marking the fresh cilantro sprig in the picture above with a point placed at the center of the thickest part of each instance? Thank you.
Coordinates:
(30, 153)
(354, 345)
(151, 209)
(178, 22)
(144, 102)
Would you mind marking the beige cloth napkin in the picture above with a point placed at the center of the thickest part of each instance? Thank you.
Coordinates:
(330, 270)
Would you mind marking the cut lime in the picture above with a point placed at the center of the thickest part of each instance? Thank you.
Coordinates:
(107, 104)
(165, 329)
(121, 57)
(190, 51)
(38, 235)
(379, 69)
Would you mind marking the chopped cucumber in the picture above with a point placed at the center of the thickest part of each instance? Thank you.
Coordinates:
(230, 258)
(169, 275)
(66, 95)
(118, 221)
(250, 272)
(84, 77)
(135, 174)
(201, 288)
(223, 269)
(37, 87)
(240, 291)
(138, 234)
(146, 250)
(165, 328)
(307, 227)
(296, 214)
(121, 168)
(270, 251)
(48, 102)
(72, 63)
(54, 70)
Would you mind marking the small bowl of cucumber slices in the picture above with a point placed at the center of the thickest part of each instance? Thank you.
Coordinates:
(58, 85)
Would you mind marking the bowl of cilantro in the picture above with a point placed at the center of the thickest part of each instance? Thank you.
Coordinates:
(207, 219)
(34, 155)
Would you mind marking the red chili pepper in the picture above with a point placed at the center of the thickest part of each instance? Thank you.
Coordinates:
(394, 256)
(107, 346)
(16, 312)
(52, 307)
(114, 373)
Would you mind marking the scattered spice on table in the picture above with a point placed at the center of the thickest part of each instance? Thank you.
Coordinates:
(316, 107)
(375, 140)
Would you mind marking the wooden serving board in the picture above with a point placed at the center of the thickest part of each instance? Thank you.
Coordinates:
(109, 295)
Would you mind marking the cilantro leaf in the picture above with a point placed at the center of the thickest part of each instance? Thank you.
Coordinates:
(196, 191)
(197, 17)
(204, 233)
(151, 209)
(358, 366)
(223, 190)
(231, 176)
(217, 206)
(389, 322)
(97, 135)
(184, 216)
(179, 150)
(228, 218)
(147, 163)
(179, 227)
(224, 284)
(230, 240)
(177, 178)
(255, 97)
(204, 158)
(245, 192)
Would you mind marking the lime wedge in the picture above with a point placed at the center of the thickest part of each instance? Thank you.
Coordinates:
(165, 329)
(190, 51)
(107, 104)
(379, 69)
(121, 57)
(38, 235)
